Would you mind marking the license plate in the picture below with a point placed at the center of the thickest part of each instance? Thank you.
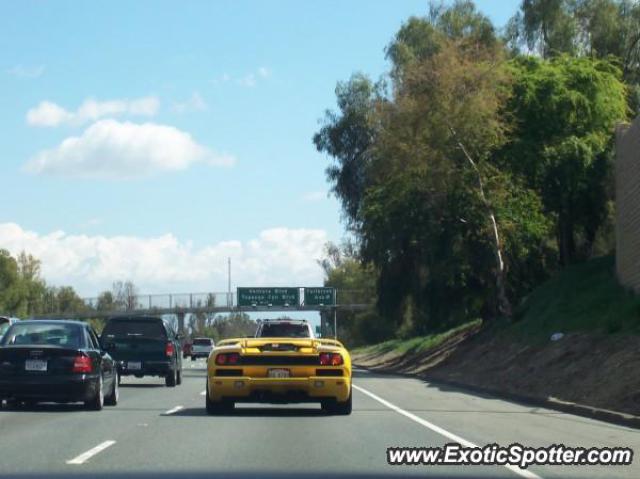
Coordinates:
(35, 365)
(279, 373)
(134, 365)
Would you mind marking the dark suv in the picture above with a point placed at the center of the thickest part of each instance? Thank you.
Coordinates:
(144, 346)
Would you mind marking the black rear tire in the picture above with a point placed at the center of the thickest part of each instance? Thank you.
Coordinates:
(96, 403)
(179, 377)
(112, 398)
(218, 407)
(331, 406)
(170, 379)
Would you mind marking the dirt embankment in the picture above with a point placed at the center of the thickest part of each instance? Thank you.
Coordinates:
(601, 371)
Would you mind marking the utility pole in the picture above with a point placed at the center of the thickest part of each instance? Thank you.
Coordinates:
(229, 297)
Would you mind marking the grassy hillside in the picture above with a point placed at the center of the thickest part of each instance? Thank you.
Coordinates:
(582, 298)
(595, 364)
(418, 344)
(585, 297)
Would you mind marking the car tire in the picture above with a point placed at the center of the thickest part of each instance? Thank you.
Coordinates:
(193, 358)
(179, 377)
(170, 379)
(217, 407)
(97, 401)
(112, 399)
(331, 406)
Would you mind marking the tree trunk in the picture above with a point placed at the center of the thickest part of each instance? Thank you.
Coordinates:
(504, 305)
(566, 240)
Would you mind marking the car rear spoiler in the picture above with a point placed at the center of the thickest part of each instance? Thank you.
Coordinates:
(330, 342)
(243, 342)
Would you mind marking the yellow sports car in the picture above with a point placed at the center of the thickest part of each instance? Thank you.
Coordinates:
(284, 363)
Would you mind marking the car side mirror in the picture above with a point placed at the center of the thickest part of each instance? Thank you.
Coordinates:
(179, 336)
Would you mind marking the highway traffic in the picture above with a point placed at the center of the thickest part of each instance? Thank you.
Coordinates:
(155, 429)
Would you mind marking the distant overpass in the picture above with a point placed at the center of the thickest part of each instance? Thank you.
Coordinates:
(181, 304)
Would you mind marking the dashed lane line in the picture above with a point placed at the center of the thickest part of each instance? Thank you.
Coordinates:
(85, 456)
(173, 410)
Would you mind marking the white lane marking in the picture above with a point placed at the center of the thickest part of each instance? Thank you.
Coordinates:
(173, 410)
(85, 456)
(358, 370)
(439, 430)
(203, 393)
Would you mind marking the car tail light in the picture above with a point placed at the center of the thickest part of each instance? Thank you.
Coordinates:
(169, 349)
(82, 364)
(227, 358)
(331, 359)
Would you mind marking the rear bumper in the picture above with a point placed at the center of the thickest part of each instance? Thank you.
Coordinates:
(149, 368)
(272, 390)
(50, 388)
(200, 352)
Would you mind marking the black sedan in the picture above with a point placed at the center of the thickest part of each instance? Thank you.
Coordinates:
(56, 361)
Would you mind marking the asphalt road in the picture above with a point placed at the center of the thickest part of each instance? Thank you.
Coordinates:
(166, 431)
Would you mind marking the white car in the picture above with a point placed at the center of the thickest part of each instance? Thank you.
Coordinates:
(201, 348)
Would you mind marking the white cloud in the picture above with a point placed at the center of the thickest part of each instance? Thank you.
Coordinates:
(264, 72)
(194, 103)
(278, 256)
(48, 114)
(51, 114)
(118, 150)
(22, 71)
(315, 196)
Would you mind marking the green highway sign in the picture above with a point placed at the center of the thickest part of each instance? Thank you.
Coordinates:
(319, 296)
(269, 297)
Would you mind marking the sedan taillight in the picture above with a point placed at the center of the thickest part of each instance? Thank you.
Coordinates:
(82, 364)
(331, 359)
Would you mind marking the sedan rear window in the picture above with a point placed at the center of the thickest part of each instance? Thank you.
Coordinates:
(133, 328)
(30, 334)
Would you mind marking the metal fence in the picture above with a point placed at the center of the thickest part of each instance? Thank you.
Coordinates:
(165, 301)
(189, 302)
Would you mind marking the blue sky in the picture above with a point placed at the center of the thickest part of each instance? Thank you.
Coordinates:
(209, 108)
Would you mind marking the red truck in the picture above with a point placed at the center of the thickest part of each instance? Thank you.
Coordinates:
(186, 349)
